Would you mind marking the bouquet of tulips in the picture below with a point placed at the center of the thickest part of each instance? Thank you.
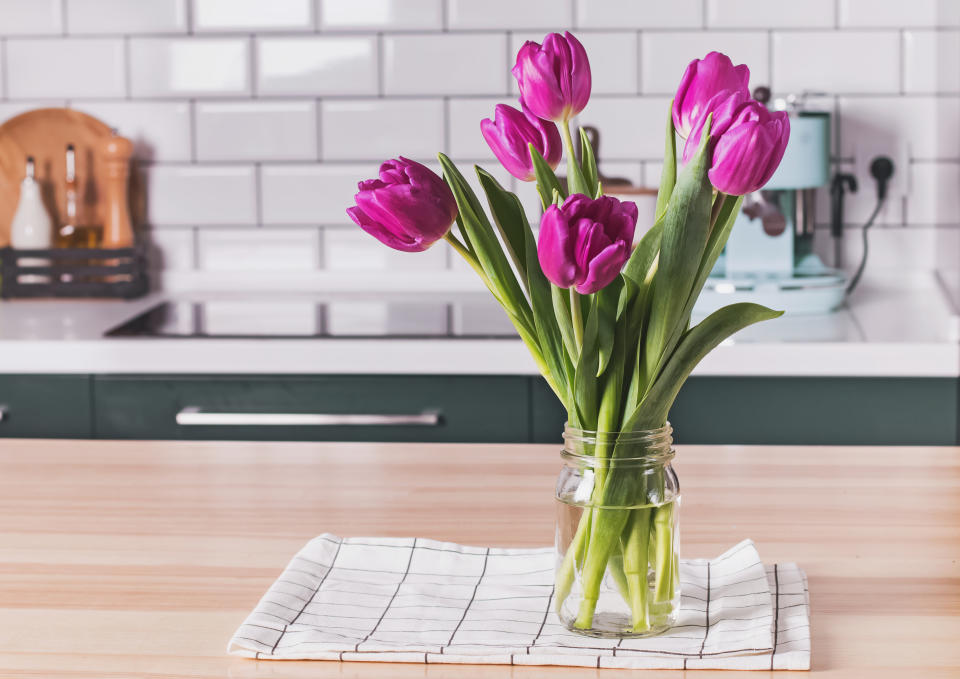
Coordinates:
(607, 321)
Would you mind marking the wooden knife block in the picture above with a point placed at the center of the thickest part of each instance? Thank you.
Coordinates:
(45, 134)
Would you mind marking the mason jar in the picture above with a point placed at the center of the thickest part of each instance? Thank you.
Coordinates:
(617, 539)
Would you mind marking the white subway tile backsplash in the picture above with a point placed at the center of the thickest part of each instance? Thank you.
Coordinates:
(10, 110)
(172, 248)
(31, 17)
(930, 61)
(901, 127)
(629, 127)
(159, 130)
(873, 14)
(765, 14)
(271, 249)
(508, 14)
(311, 194)
(617, 61)
(836, 61)
(126, 16)
(63, 68)
(256, 130)
(197, 195)
(934, 194)
(189, 67)
(639, 14)
(381, 15)
(250, 15)
(665, 55)
(464, 116)
(350, 248)
(382, 128)
(472, 64)
(317, 65)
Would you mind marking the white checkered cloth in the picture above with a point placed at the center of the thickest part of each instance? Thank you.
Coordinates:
(417, 600)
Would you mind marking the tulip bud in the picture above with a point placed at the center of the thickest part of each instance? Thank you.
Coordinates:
(747, 154)
(585, 242)
(510, 134)
(408, 208)
(554, 78)
(701, 82)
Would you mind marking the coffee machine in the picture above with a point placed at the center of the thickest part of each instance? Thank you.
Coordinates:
(769, 258)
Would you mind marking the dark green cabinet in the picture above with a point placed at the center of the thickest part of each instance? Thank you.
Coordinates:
(798, 410)
(451, 408)
(45, 406)
(471, 409)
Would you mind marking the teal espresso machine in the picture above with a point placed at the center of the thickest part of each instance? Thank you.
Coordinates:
(769, 258)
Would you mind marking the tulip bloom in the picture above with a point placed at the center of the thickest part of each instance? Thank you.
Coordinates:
(554, 78)
(702, 81)
(408, 208)
(586, 241)
(511, 132)
(747, 154)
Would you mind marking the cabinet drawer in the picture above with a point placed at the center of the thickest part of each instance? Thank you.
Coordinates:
(335, 408)
(45, 406)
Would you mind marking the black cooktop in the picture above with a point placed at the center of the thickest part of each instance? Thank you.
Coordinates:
(366, 317)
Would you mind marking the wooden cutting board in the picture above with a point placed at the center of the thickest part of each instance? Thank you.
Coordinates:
(44, 134)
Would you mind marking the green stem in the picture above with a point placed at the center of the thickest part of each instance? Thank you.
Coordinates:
(605, 533)
(574, 554)
(635, 564)
(576, 319)
(663, 587)
(575, 180)
(717, 208)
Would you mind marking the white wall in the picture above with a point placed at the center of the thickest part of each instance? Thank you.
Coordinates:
(255, 118)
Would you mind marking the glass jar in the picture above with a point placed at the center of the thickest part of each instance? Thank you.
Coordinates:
(617, 538)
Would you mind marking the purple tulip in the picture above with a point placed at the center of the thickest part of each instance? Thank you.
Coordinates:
(749, 151)
(585, 242)
(408, 208)
(701, 82)
(554, 78)
(510, 133)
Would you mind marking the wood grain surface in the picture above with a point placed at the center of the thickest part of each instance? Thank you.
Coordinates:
(139, 559)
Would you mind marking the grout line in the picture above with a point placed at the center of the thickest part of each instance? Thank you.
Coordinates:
(192, 104)
(4, 69)
(63, 17)
(319, 127)
(770, 60)
(902, 60)
(446, 126)
(444, 16)
(573, 15)
(639, 56)
(189, 6)
(703, 14)
(257, 193)
(253, 71)
(127, 68)
(836, 14)
(381, 63)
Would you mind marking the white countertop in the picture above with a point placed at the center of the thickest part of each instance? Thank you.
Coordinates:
(907, 327)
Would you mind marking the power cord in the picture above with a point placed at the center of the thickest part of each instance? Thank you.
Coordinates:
(881, 169)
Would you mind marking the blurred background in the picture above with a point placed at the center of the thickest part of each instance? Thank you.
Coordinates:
(251, 122)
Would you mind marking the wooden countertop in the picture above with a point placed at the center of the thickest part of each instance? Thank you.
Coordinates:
(114, 554)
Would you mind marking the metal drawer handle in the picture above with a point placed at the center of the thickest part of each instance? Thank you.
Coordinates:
(194, 416)
(3, 413)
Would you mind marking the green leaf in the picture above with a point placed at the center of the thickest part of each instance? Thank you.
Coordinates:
(547, 182)
(510, 219)
(588, 161)
(668, 175)
(485, 244)
(607, 301)
(548, 325)
(585, 383)
(694, 345)
(641, 259)
(561, 309)
(686, 228)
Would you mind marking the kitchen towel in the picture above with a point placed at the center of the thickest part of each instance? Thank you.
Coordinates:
(418, 600)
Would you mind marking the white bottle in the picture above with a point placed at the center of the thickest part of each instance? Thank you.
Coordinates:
(32, 227)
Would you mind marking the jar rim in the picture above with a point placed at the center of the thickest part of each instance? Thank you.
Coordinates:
(644, 446)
